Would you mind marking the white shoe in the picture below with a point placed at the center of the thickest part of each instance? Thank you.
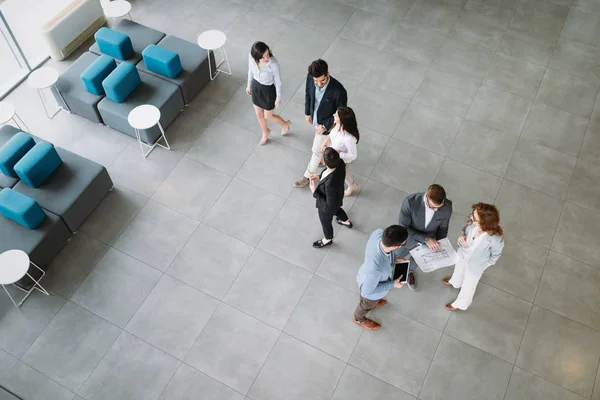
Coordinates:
(351, 188)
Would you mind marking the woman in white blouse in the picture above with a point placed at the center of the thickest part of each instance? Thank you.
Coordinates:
(264, 85)
(344, 137)
(480, 246)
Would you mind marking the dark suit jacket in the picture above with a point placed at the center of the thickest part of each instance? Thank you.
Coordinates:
(330, 191)
(412, 217)
(335, 96)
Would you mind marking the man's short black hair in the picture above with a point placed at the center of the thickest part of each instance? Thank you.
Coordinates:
(318, 68)
(331, 157)
(394, 235)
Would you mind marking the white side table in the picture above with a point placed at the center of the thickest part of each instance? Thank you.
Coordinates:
(46, 78)
(8, 112)
(211, 41)
(145, 117)
(14, 265)
(117, 9)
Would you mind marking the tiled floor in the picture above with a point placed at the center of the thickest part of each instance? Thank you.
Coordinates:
(195, 278)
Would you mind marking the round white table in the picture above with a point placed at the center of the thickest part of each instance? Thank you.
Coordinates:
(14, 265)
(117, 9)
(8, 113)
(145, 117)
(213, 40)
(46, 78)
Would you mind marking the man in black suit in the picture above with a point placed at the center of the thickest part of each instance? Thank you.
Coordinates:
(324, 95)
(329, 193)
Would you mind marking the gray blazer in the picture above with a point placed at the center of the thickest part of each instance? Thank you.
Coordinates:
(412, 217)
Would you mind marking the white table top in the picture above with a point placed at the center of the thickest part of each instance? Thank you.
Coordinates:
(144, 117)
(43, 78)
(117, 8)
(7, 111)
(212, 40)
(13, 266)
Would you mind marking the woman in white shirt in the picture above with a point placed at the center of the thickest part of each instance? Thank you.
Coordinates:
(480, 246)
(344, 137)
(264, 85)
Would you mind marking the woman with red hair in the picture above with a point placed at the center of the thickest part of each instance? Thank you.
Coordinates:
(480, 246)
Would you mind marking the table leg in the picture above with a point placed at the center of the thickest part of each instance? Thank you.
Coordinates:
(210, 73)
(162, 136)
(11, 298)
(225, 59)
(45, 103)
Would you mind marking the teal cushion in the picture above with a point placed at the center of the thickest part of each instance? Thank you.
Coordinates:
(21, 209)
(38, 164)
(13, 151)
(93, 75)
(162, 61)
(114, 43)
(121, 82)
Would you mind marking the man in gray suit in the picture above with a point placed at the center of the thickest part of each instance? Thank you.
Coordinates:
(426, 217)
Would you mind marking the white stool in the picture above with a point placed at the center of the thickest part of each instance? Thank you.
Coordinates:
(8, 112)
(117, 9)
(145, 117)
(211, 41)
(45, 78)
(14, 265)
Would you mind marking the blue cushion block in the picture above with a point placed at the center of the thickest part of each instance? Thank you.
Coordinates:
(114, 43)
(162, 61)
(121, 82)
(93, 75)
(38, 164)
(13, 151)
(21, 209)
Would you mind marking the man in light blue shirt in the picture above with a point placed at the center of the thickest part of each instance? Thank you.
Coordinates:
(375, 276)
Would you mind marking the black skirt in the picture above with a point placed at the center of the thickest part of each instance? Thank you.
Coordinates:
(263, 96)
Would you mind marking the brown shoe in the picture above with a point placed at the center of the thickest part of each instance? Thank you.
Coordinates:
(446, 281)
(450, 308)
(368, 324)
(302, 182)
(381, 303)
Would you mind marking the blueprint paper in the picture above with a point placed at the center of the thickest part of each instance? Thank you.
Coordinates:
(430, 260)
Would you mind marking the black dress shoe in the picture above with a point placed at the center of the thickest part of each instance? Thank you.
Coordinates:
(319, 244)
(339, 221)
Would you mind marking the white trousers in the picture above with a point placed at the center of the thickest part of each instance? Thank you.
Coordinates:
(465, 278)
(316, 156)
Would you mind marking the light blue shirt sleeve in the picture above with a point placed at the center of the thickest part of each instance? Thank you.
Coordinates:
(373, 288)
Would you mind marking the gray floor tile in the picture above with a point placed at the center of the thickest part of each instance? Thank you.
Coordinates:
(32, 385)
(291, 234)
(577, 58)
(568, 92)
(301, 134)
(519, 258)
(121, 375)
(246, 31)
(539, 18)
(232, 348)
(596, 394)
(526, 47)
(384, 75)
(591, 6)
(186, 129)
(590, 150)
(192, 188)
(70, 267)
(156, 235)
(244, 212)
(294, 71)
(215, 94)
(596, 113)
(287, 9)
(464, 59)
(113, 215)
(369, 29)
(282, 286)
(478, 29)
(378, 206)
(356, 385)
(428, 128)
(415, 42)
(447, 92)
(499, 109)
(388, 8)
(371, 145)
(457, 223)
(499, 11)
(217, 14)
(323, 15)
(303, 43)
(585, 180)
(378, 110)
(6, 363)
(71, 346)
(551, 342)
(528, 213)
(494, 323)
(525, 385)
(213, 145)
(556, 129)
(328, 328)
(436, 16)
(295, 370)
(466, 185)
(116, 287)
(403, 366)
(406, 167)
(479, 373)
(172, 316)
(341, 57)
(579, 246)
(210, 261)
(514, 75)
(582, 26)
(188, 383)
(541, 168)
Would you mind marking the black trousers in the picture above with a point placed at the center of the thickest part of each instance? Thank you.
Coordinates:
(326, 217)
